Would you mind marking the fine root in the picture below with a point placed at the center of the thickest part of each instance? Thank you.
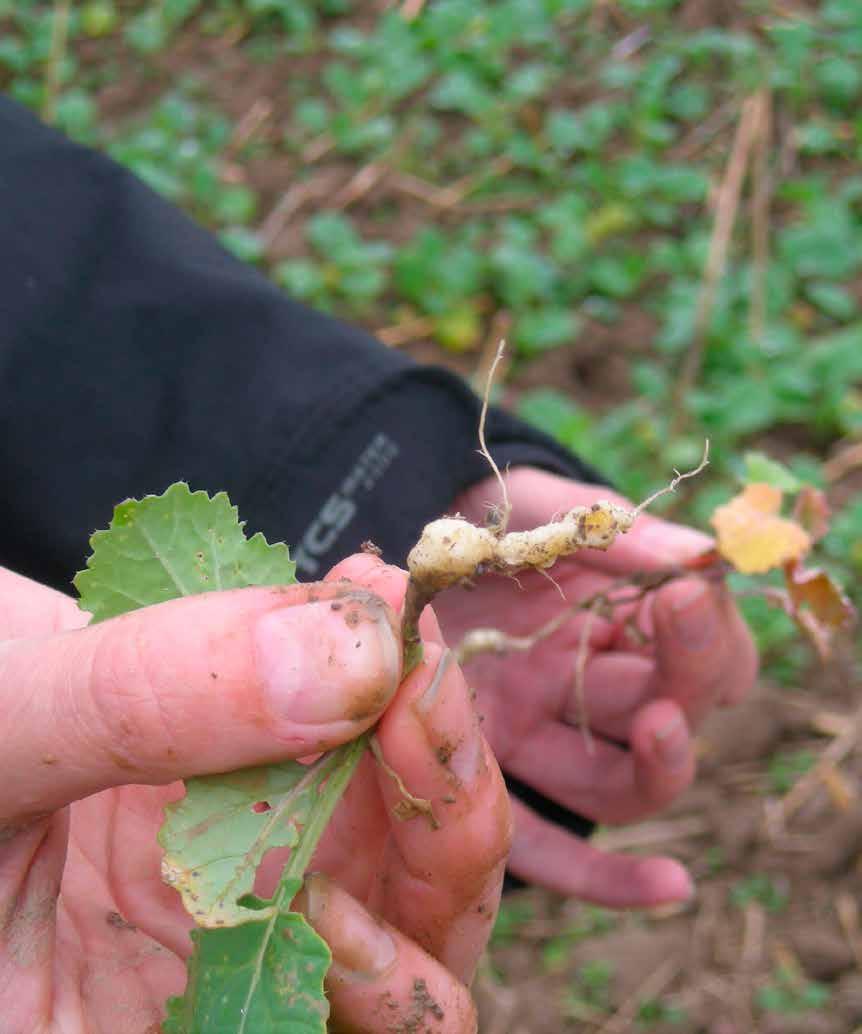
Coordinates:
(501, 520)
(409, 806)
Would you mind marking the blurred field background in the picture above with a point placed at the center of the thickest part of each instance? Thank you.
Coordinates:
(659, 204)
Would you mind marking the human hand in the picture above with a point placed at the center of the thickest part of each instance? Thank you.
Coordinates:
(91, 939)
(640, 700)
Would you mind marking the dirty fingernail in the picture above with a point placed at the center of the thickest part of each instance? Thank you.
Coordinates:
(450, 721)
(361, 946)
(694, 617)
(672, 744)
(328, 660)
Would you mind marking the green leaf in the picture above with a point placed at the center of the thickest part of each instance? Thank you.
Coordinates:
(263, 972)
(259, 977)
(216, 836)
(832, 299)
(243, 243)
(544, 328)
(839, 80)
(760, 468)
(146, 32)
(176, 544)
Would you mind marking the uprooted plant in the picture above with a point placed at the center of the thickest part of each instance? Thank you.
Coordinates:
(248, 950)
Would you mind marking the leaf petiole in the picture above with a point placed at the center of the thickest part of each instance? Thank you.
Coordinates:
(341, 764)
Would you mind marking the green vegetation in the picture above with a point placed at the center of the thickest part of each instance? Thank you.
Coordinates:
(589, 993)
(654, 1011)
(789, 992)
(786, 767)
(539, 160)
(513, 915)
(762, 889)
(591, 921)
(551, 170)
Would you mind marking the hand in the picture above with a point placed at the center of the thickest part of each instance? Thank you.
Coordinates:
(90, 938)
(641, 701)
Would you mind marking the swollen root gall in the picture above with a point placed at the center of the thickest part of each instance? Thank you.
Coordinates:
(453, 550)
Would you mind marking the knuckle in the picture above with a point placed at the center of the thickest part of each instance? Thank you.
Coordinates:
(126, 693)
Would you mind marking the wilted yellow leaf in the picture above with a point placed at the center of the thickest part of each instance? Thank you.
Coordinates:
(818, 605)
(812, 512)
(753, 536)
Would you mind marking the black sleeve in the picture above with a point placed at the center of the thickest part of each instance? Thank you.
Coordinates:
(135, 351)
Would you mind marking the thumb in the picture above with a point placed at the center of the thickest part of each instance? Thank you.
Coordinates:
(204, 684)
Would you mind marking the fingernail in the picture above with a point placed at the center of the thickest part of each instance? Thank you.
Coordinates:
(328, 660)
(694, 617)
(671, 743)
(450, 721)
(361, 946)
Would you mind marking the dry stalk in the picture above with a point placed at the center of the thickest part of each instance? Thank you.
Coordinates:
(704, 132)
(54, 69)
(359, 184)
(653, 986)
(841, 791)
(422, 190)
(848, 915)
(753, 937)
(832, 756)
(317, 148)
(290, 202)
(784, 958)
(407, 330)
(843, 462)
(725, 219)
(452, 195)
(702, 944)
(248, 126)
(760, 216)
(501, 203)
(411, 9)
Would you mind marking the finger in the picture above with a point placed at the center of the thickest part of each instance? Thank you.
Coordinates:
(651, 543)
(379, 978)
(204, 684)
(31, 867)
(548, 856)
(386, 581)
(616, 685)
(441, 885)
(602, 780)
(704, 652)
(29, 609)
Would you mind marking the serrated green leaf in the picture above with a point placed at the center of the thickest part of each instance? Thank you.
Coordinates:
(262, 976)
(258, 968)
(214, 839)
(176, 544)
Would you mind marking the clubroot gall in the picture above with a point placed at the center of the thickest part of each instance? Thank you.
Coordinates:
(256, 965)
(453, 551)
